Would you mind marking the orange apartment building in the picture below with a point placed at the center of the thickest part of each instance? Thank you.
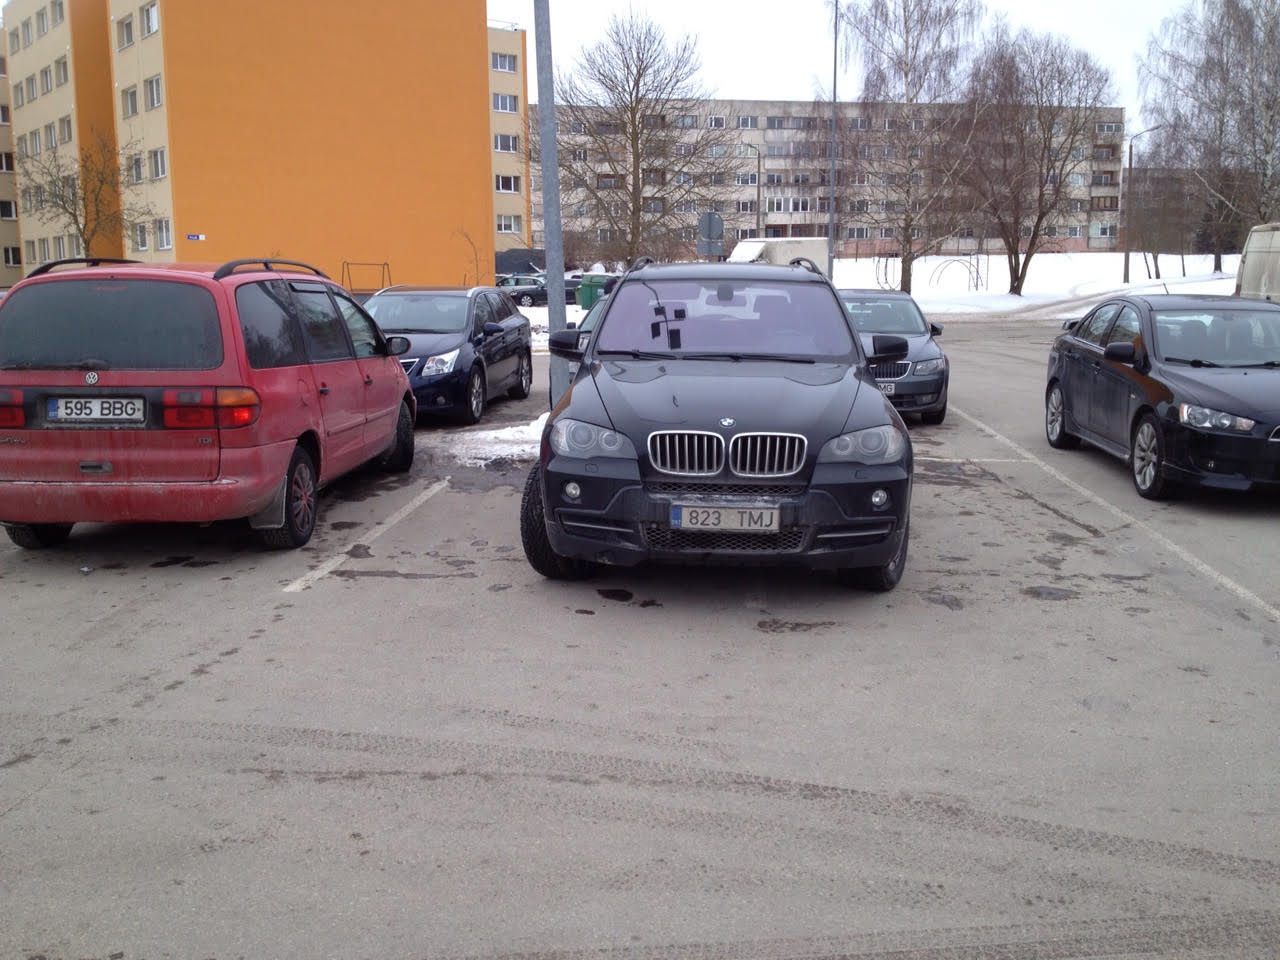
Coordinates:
(356, 139)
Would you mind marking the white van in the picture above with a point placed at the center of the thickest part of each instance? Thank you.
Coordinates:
(1259, 275)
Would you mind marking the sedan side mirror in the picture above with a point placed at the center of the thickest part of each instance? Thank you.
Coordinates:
(1124, 352)
(492, 329)
(1069, 325)
(397, 346)
(935, 329)
(886, 348)
(564, 343)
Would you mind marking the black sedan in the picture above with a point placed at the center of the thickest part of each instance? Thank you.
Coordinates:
(722, 413)
(467, 345)
(531, 291)
(1186, 388)
(918, 383)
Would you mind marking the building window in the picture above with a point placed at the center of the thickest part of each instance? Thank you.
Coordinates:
(152, 85)
(42, 22)
(652, 205)
(1103, 180)
(135, 168)
(606, 235)
(19, 98)
(1109, 127)
(505, 102)
(44, 249)
(775, 205)
(508, 223)
(610, 181)
(21, 144)
(804, 123)
(140, 237)
(506, 142)
(15, 41)
(129, 102)
(888, 233)
(506, 62)
(13, 256)
(857, 233)
(682, 179)
(746, 179)
(6, 161)
(715, 123)
(37, 198)
(31, 87)
(34, 139)
(773, 179)
(686, 121)
(748, 123)
(580, 155)
(60, 72)
(164, 234)
(776, 150)
(64, 129)
(684, 149)
(8, 210)
(1103, 229)
(4, 113)
(26, 33)
(57, 11)
(506, 184)
(655, 178)
(59, 247)
(149, 15)
(75, 245)
(746, 206)
(859, 123)
(159, 162)
(1075, 230)
(30, 248)
(124, 32)
(801, 204)
(717, 150)
(50, 135)
(800, 178)
(747, 233)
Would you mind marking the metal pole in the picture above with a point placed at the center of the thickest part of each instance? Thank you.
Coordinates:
(553, 238)
(1124, 210)
(831, 198)
(759, 177)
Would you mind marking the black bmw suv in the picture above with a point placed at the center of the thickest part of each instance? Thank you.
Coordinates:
(722, 413)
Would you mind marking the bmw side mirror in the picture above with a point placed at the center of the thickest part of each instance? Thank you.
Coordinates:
(886, 348)
(564, 343)
(396, 346)
(935, 329)
(1124, 352)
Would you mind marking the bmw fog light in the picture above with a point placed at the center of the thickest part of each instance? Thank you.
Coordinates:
(572, 490)
(879, 498)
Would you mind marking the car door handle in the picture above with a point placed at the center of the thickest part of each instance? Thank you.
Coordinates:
(322, 389)
(368, 381)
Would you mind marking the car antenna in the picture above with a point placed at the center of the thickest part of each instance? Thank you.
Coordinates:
(1166, 288)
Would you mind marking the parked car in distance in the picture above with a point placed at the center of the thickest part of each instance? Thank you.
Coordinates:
(189, 393)
(1258, 276)
(918, 383)
(723, 413)
(1186, 388)
(529, 291)
(467, 345)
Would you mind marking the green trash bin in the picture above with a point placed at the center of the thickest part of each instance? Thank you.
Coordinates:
(591, 289)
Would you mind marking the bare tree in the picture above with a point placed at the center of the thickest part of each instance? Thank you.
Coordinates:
(1211, 80)
(1164, 209)
(92, 191)
(638, 157)
(912, 53)
(1035, 101)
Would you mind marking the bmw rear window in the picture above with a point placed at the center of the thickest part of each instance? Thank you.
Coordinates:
(110, 324)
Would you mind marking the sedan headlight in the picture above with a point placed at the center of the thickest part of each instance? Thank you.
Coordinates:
(871, 446)
(434, 366)
(573, 438)
(931, 366)
(1205, 418)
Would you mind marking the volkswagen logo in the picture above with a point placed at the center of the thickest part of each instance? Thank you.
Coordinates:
(91, 377)
(727, 421)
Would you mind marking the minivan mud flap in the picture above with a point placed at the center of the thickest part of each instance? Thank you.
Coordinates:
(271, 517)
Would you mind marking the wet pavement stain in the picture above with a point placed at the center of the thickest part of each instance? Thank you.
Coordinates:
(792, 626)
(172, 561)
(201, 563)
(1050, 593)
(947, 600)
(499, 587)
(585, 613)
(20, 758)
(1053, 563)
(343, 525)
(359, 551)
(622, 596)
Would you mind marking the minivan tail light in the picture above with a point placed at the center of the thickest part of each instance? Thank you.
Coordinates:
(11, 412)
(195, 409)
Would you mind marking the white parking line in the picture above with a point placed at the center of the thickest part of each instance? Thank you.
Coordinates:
(1190, 559)
(377, 530)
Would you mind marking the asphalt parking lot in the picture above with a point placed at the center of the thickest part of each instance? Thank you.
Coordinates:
(1056, 737)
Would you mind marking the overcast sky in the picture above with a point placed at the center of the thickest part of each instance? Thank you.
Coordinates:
(781, 49)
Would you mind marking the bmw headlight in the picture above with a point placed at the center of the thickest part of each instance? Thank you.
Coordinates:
(573, 438)
(434, 366)
(1207, 419)
(871, 446)
(930, 366)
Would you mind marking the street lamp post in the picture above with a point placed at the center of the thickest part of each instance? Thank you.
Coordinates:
(759, 177)
(1128, 193)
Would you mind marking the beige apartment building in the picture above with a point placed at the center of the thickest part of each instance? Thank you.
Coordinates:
(10, 241)
(508, 121)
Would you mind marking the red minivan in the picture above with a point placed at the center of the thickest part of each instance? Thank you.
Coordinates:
(189, 393)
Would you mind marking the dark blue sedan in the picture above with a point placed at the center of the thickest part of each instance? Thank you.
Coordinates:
(466, 345)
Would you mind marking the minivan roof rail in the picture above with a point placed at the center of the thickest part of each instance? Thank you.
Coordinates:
(85, 261)
(806, 263)
(267, 263)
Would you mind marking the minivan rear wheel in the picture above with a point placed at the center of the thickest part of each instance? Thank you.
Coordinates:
(300, 502)
(37, 536)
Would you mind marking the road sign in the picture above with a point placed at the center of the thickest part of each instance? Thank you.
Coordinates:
(710, 248)
(195, 236)
(711, 226)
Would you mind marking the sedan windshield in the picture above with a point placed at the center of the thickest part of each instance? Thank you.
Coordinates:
(725, 320)
(419, 312)
(1222, 337)
(885, 315)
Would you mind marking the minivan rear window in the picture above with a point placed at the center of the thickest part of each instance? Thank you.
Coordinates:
(112, 324)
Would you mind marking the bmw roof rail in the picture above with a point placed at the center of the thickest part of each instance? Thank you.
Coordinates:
(267, 263)
(806, 263)
(86, 261)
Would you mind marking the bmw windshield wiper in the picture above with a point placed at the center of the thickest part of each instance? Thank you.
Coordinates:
(635, 354)
(1195, 363)
(735, 357)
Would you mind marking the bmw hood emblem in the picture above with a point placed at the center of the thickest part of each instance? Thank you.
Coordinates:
(727, 421)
